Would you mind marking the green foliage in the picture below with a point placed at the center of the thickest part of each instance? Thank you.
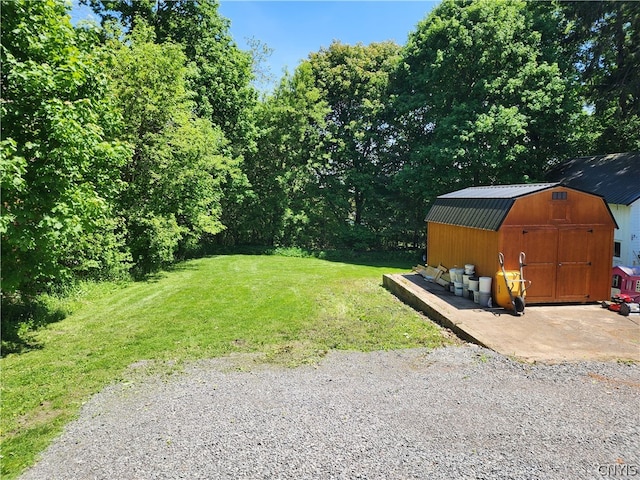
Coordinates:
(282, 204)
(220, 73)
(320, 156)
(176, 175)
(60, 156)
(353, 81)
(601, 39)
(478, 99)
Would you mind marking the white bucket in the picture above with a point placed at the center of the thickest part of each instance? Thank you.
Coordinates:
(469, 269)
(455, 274)
(483, 298)
(465, 279)
(474, 284)
(476, 296)
(458, 288)
(485, 284)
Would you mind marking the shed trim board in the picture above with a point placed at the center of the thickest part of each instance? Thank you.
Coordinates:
(566, 234)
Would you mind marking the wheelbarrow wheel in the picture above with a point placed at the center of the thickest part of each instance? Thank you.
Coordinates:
(519, 304)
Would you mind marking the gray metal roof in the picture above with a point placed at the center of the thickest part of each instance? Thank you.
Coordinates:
(499, 191)
(616, 177)
(482, 213)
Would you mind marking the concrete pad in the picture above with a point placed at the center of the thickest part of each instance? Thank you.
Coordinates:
(545, 333)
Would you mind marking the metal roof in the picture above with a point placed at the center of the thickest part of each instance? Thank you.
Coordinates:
(482, 213)
(499, 191)
(616, 177)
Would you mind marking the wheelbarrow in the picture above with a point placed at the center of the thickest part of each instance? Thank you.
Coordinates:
(512, 294)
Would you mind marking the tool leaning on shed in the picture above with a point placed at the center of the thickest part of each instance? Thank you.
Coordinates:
(513, 296)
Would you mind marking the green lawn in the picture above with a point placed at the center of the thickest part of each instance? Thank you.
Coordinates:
(291, 310)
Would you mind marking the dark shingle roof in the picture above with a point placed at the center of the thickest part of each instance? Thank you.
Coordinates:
(616, 177)
(480, 207)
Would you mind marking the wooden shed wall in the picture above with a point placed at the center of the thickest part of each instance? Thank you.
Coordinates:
(540, 208)
(564, 264)
(452, 245)
(568, 245)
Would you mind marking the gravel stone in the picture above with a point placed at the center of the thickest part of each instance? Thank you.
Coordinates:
(461, 412)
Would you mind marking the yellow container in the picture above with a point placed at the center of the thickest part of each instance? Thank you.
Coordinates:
(502, 294)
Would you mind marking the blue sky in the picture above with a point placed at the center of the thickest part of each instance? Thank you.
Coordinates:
(293, 29)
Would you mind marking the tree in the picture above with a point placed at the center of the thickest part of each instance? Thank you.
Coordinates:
(479, 99)
(176, 174)
(220, 73)
(602, 39)
(60, 159)
(353, 81)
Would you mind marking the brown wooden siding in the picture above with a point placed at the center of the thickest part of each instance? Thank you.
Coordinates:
(452, 246)
(541, 209)
(564, 264)
(568, 245)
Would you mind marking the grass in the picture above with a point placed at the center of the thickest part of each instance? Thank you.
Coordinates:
(290, 310)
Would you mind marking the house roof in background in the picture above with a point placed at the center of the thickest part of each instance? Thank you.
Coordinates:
(616, 176)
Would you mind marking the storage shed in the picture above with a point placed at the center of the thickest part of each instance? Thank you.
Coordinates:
(566, 234)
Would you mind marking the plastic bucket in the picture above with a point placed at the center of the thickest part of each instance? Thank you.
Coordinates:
(456, 274)
(476, 296)
(483, 298)
(465, 279)
(458, 288)
(469, 269)
(474, 284)
(485, 284)
(453, 275)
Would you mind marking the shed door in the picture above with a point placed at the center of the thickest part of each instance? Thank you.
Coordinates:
(557, 263)
(574, 268)
(540, 246)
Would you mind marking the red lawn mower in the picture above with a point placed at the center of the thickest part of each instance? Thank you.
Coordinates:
(624, 304)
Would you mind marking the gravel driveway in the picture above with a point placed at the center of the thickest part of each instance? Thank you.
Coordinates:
(452, 413)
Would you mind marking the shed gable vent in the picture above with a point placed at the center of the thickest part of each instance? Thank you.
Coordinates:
(558, 195)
